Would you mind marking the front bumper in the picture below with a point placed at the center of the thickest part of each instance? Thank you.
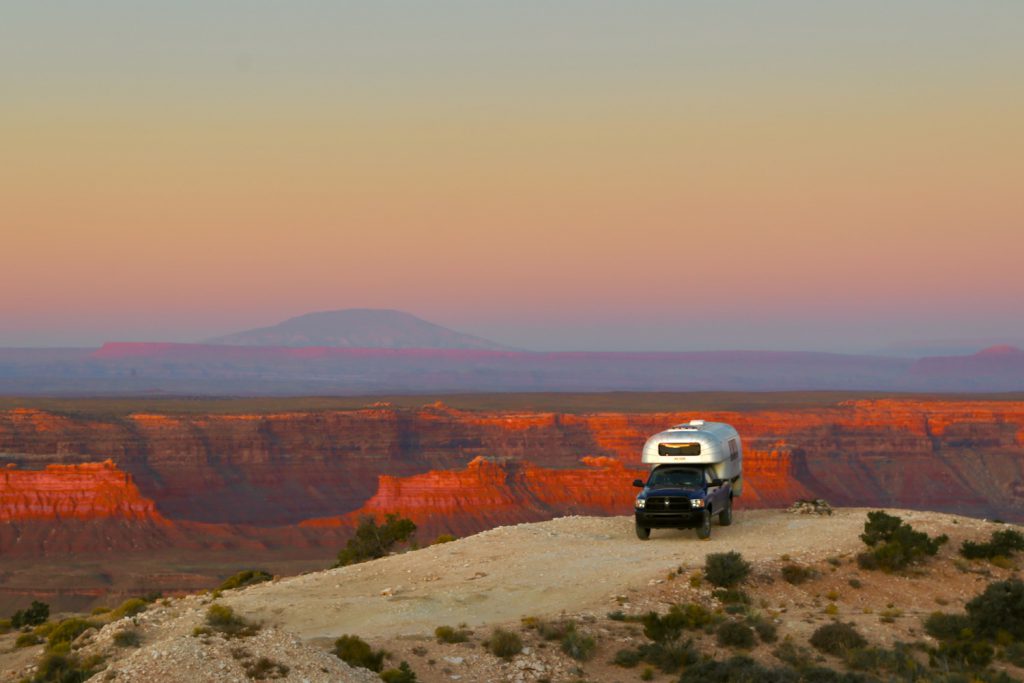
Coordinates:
(673, 519)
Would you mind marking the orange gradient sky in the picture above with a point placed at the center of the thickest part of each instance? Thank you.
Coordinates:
(578, 175)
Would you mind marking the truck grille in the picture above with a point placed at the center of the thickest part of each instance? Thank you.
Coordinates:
(667, 504)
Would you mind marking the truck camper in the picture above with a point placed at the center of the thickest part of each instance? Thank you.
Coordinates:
(697, 471)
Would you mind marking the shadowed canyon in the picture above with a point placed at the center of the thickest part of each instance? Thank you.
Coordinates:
(100, 500)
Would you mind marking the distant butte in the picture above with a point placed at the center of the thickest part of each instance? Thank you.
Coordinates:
(358, 328)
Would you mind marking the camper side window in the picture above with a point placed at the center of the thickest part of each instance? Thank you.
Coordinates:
(734, 450)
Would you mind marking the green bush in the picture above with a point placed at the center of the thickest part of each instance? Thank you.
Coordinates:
(447, 634)
(67, 630)
(36, 613)
(796, 574)
(127, 638)
(735, 634)
(1003, 543)
(670, 656)
(403, 674)
(444, 538)
(223, 619)
(63, 667)
(895, 544)
(738, 669)
(504, 644)
(837, 638)
(372, 541)
(726, 569)
(248, 577)
(1015, 654)
(962, 655)
(944, 626)
(27, 640)
(999, 607)
(265, 668)
(129, 608)
(578, 646)
(731, 596)
(899, 662)
(679, 618)
(796, 656)
(628, 658)
(355, 651)
(766, 629)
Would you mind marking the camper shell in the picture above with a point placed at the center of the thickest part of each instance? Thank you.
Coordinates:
(696, 471)
(716, 445)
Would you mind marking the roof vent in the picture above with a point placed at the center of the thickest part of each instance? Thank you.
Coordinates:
(696, 423)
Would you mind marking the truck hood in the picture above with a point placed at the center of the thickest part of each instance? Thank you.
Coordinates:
(687, 492)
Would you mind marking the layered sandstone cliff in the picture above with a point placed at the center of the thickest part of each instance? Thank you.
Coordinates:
(279, 469)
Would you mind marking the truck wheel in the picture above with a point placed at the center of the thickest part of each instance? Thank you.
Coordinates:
(704, 530)
(725, 516)
(642, 532)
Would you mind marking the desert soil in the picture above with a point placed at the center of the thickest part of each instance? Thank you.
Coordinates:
(573, 567)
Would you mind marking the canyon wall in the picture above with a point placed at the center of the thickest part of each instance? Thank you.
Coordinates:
(281, 469)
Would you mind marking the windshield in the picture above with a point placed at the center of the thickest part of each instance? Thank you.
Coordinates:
(687, 478)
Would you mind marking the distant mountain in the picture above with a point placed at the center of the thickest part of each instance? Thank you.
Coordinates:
(367, 328)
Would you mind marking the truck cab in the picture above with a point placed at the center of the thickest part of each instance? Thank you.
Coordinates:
(696, 473)
(682, 497)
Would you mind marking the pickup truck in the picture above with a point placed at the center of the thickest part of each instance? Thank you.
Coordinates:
(682, 497)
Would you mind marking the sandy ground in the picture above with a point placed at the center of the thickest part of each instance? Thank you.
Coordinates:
(567, 564)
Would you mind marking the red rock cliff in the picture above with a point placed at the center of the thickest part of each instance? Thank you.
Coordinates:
(81, 492)
(282, 468)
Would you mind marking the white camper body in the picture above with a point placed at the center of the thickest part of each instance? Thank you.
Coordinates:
(714, 445)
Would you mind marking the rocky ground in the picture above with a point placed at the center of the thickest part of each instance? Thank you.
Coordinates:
(591, 571)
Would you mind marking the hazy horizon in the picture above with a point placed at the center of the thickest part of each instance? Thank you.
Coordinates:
(582, 176)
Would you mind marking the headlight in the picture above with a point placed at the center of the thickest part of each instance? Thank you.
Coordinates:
(697, 502)
(640, 503)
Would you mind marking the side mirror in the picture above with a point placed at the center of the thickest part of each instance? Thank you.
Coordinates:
(639, 483)
(716, 482)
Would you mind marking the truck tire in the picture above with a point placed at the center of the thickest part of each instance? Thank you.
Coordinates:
(642, 532)
(725, 516)
(704, 530)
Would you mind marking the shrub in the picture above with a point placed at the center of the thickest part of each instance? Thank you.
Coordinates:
(504, 644)
(1015, 654)
(403, 674)
(67, 630)
(264, 668)
(447, 634)
(444, 538)
(127, 638)
(899, 661)
(129, 608)
(679, 618)
(372, 541)
(796, 656)
(65, 668)
(1003, 543)
(551, 630)
(895, 544)
(223, 619)
(766, 629)
(796, 574)
(961, 654)
(670, 656)
(5, 625)
(628, 658)
(355, 651)
(578, 645)
(731, 596)
(726, 569)
(249, 577)
(738, 669)
(27, 640)
(36, 613)
(735, 634)
(1000, 606)
(836, 638)
(855, 583)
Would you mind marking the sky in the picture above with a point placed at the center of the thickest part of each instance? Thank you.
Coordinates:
(592, 175)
